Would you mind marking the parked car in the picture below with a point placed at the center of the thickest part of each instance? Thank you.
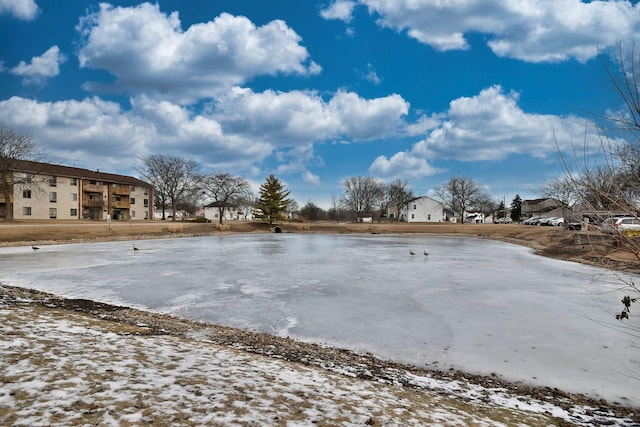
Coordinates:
(531, 221)
(504, 220)
(557, 222)
(545, 220)
(620, 224)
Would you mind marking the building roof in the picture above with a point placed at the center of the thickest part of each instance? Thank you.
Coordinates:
(71, 172)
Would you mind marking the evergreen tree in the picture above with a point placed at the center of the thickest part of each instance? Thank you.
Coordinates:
(516, 208)
(273, 200)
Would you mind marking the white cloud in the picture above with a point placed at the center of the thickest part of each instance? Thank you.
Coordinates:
(21, 9)
(339, 9)
(238, 132)
(491, 126)
(41, 67)
(487, 127)
(401, 165)
(297, 117)
(530, 30)
(99, 134)
(148, 52)
(365, 119)
(372, 76)
(310, 178)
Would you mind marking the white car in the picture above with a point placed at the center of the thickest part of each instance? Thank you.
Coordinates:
(531, 221)
(558, 222)
(504, 220)
(620, 224)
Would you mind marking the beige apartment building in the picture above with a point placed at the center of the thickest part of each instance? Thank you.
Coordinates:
(61, 192)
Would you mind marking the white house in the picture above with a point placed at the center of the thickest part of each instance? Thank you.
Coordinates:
(231, 212)
(421, 209)
(475, 217)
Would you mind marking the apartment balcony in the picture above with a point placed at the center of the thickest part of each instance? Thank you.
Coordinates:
(121, 191)
(92, 203)
(92, 188)
(121, 204)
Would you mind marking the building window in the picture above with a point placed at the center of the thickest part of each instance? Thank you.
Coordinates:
(93, 182)
(133, 214)
(73, 212)
(53, 197)
(74, 197)
(26, 194)
(53, 213)
(413, 216)
(146, 203)
(26, 211)
(53, 181)
(415, 206)
(429, 217)
(133, 188)
(116, 198)
(73, 181)
(146, 214)
(146, 191)
(133, 201)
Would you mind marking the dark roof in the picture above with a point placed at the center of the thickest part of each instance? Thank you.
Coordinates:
(221, 204)
(71, 172)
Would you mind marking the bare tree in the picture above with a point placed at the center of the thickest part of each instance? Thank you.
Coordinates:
(15, 148)
(246, 204)
(361, 194)
(312, 212)
(173, 178)
(226, 190)
(606, 178)
(459, 194)
(399, 194)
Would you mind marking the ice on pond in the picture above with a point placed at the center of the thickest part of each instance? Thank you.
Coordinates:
(472, 304)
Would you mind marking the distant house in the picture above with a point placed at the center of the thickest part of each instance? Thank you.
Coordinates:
(231, 212)
(541, 207)
(420, 209)
(475, 218)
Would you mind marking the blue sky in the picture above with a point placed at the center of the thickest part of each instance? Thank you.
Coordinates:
(315, 92)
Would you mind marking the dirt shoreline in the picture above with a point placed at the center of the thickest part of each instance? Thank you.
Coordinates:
(548, 241)
(362, 366)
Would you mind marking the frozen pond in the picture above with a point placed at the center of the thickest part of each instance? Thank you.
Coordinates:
(472, 304)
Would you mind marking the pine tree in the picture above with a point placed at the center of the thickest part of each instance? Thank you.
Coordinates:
(273, 200)
(516, 208)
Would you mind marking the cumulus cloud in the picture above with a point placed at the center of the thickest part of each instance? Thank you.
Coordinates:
(100, 134)
(339, 9)
(21, 9)
(530, 30)
(492, 126)
(148, 52)
(489, 126)
(402, 165)
(41, 67)
(299, 117)
(237, 132)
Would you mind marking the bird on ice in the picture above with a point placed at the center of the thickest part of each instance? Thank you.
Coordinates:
(35, 248)
(134, 248)
(411, 252)
(426, 253)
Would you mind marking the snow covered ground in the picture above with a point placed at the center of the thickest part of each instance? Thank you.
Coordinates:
(472, 304)
(63, 368)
